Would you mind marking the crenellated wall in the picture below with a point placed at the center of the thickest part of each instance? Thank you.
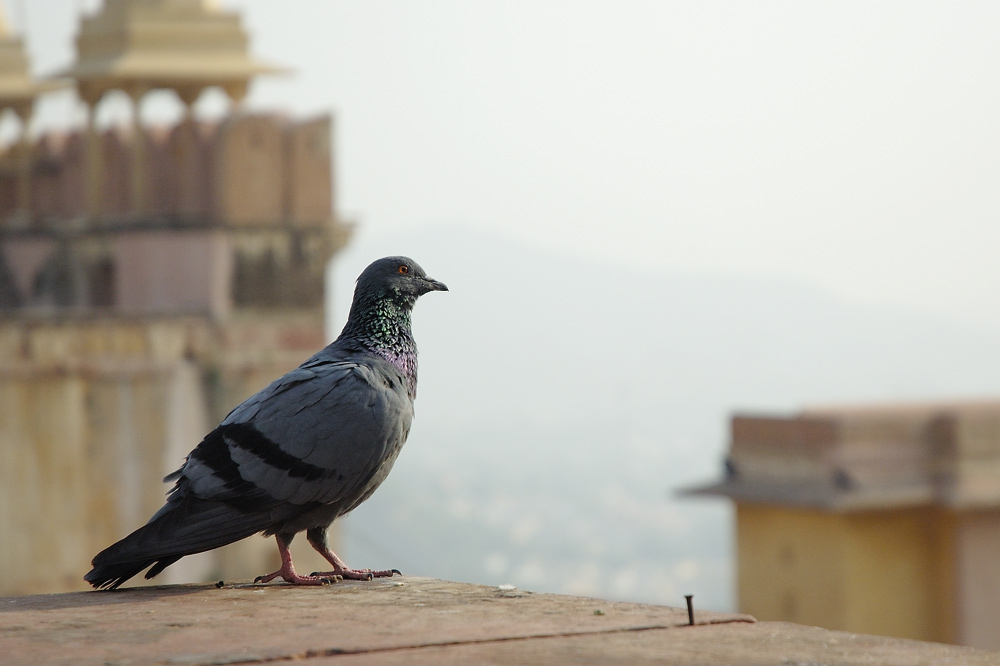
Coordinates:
(253, 170)
(126, 336)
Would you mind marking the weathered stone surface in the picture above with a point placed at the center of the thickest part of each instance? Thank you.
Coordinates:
(415, 620)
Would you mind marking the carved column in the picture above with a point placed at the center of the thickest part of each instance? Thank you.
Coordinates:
(24, 162)
(91, 97)
(139, 203)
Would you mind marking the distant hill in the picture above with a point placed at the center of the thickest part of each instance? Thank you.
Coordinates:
(562, 400)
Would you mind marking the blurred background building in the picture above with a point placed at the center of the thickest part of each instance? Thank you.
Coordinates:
(881, 520)
(150, 279)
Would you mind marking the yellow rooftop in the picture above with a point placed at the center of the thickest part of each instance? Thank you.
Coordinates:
(17, 89)
(183, 45)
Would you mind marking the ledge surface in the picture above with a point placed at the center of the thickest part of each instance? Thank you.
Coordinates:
(414, 621)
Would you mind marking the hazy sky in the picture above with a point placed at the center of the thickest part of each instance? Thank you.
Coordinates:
(853, 145)
(849, 145)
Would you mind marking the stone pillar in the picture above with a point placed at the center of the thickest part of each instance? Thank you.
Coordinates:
(236, 90)
(23, 113)
(138, 203)
(94, 163)
(188, 95)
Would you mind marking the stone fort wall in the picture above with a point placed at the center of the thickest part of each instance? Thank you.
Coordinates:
(126, 335)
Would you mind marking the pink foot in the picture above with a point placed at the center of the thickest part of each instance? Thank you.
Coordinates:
(287, 570)
(357, 574)
(289, 576)
(317, 538)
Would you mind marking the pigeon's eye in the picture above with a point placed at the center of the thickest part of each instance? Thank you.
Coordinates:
(403, 269)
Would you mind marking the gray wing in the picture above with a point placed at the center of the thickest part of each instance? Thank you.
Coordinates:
(318, 434)
(324, 433)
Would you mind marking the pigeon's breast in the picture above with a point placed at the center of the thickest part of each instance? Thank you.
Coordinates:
(403, 362)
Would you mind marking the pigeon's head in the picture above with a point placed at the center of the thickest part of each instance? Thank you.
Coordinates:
(396, 276)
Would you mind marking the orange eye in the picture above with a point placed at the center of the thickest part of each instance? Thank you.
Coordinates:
(403, 269)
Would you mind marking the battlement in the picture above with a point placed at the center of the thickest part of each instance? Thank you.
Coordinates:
(246, 171)
(234, 214)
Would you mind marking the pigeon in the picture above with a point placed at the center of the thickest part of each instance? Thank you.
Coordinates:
(305, 450)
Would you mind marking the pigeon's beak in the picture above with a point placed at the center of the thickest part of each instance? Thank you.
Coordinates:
(434, 285)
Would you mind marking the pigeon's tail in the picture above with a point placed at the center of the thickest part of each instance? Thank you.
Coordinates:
(184, 528)
(111, 575)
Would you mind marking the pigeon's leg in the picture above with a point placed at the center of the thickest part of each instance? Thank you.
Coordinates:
(287, 570)
(317, 537)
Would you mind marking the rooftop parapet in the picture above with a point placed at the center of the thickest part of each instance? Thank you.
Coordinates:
(854, 458)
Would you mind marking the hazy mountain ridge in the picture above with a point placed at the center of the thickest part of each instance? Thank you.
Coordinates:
(561, 400)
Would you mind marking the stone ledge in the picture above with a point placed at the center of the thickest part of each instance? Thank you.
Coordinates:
(414, 620)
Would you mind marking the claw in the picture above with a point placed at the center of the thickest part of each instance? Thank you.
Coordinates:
(328, 575)
(293, 578)
(396, 571)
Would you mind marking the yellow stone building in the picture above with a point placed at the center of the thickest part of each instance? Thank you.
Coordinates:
(881, 520)
(150, 279)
